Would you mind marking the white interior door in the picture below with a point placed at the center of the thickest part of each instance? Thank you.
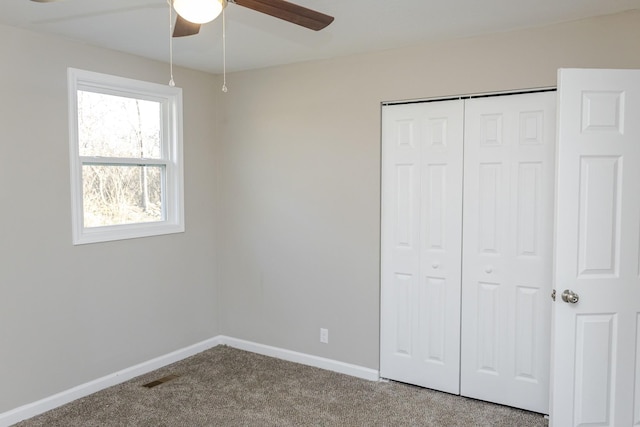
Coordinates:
(421, 238)
(596, 340)
(509, 169)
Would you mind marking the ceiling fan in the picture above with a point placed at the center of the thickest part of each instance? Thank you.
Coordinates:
(193, 13)
(189, 20)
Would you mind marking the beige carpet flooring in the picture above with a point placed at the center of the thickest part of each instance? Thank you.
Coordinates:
(229, 387)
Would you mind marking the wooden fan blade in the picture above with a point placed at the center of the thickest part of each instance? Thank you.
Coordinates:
(185, 28)
(289, 12)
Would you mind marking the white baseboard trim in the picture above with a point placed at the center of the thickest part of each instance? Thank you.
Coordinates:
(32, 409)
(302, 358)
(36, 408)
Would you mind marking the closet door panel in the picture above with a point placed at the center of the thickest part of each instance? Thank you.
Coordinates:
(507, 246)
(421, 244)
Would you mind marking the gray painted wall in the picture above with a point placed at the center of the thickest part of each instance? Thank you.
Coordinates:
(282, 195)
(301, 171)
(68, 314)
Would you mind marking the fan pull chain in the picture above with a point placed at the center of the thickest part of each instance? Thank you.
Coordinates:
(224, 53)
(171, 82)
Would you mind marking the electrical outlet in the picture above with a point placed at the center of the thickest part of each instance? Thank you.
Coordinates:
(324, 335)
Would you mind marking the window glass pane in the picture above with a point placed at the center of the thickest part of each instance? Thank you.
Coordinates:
(117, 126)
(114, 195)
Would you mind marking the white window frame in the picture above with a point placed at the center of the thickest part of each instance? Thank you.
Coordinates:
(170, 99)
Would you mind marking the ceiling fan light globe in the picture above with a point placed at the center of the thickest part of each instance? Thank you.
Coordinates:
(199, 11)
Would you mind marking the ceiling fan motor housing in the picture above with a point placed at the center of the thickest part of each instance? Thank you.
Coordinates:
(199, 11)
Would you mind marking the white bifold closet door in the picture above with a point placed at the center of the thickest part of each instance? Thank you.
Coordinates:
(507, 257)
(421, 238)
(469, 312)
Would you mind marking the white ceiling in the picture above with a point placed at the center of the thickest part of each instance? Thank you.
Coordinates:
(255, 40)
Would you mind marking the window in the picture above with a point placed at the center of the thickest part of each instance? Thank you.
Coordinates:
(126, 158)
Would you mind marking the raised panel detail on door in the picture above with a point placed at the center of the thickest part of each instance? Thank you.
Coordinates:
(403, 309)
(507, 244)
(531, 127)
(488, 301)
(433, 319)
(491, 129)
(421, 238)
(435, 185)
(406, 197)
(529, 208)
(489, 198)
(593, 365)
(528, 302)
(404, 134)
(599, 236)
(603, 111)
